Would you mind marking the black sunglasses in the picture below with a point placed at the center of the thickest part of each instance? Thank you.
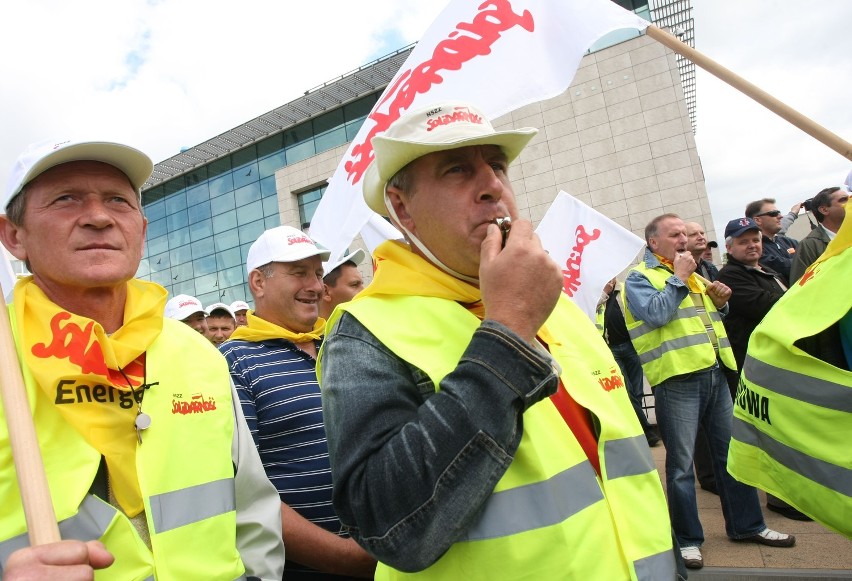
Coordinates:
(773, 213)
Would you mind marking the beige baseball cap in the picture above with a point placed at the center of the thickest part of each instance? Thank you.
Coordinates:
(438, 127)
(40, 157)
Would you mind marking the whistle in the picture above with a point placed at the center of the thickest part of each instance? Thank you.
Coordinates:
(504, 224)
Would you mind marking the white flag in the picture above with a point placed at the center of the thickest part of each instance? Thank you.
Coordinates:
(590, 248)
(499, 55)
(376, 231)
(7, 275)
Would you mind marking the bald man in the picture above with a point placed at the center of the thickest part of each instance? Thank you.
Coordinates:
(697, 244)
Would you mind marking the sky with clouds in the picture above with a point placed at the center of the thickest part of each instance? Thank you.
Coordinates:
(166, 74)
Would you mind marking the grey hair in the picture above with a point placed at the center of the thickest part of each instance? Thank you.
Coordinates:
(653, 226)
(401, 180)
(16, 207)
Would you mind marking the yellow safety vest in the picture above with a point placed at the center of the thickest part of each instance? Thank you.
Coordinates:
(550, 516)
(184, 465)
(793, 412)
(681, 345)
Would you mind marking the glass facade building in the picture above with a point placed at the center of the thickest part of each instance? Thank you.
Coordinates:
(201, 223)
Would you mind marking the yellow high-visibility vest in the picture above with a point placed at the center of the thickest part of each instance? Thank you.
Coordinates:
(793, 412)
(682, 345)
(617, 526)
(184, 466)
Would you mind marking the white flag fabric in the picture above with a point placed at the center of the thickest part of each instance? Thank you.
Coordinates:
(376, 231)
(590, 248)
(498, 55)
(7, 275)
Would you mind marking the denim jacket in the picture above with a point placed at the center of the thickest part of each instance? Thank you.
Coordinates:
(412, 467)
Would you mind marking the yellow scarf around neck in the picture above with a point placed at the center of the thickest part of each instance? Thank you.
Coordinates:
(692, 282)
(59, 346)
(258, 330)
(401, 272)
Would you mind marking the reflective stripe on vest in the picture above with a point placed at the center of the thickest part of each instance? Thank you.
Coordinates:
(829, 475)
(89, 524)
(550, 497)
(625, 457)
(537, 505)
(805, 388)
(182, 507)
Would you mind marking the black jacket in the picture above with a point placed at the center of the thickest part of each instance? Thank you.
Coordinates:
(779, 254)
(753, 293)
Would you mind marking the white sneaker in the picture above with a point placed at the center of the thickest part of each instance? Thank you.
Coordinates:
(692, 557)
(772, 538)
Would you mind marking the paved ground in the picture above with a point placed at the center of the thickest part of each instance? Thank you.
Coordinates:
(819, 552)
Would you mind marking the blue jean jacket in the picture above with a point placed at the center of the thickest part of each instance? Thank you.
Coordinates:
(412, 467)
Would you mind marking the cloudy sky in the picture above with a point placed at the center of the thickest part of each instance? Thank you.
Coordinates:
(166, 74)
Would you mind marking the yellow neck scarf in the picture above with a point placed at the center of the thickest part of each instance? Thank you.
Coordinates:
(262, 330)
(59, 346)
(401, 272)
(692, 282)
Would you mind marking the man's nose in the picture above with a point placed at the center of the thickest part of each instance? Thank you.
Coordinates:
(490, 187)
(95, 213)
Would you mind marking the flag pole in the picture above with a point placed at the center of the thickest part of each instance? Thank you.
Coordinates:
(32, 479)
(784, 111)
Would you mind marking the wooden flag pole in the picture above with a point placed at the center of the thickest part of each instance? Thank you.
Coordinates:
(786, 112)
(32, 480)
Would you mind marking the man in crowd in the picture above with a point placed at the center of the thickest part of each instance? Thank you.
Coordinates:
(341, 282)
(675, 324)
(181, 496)
(447, 453)
(778, 250)
(697, 245)
(189, 311)
(240, 308)
(611, 322)
(829, 209)
(708, 252)
(754, 290)
(221, 322)
(272, 362)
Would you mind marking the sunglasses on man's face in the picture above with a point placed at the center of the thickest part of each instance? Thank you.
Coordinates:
(771, 213)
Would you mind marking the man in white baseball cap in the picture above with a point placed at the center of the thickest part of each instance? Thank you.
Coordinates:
(341, 281)
(436, 381)
(240, 308)
(105, 371)
(188, 310)
(272, 362)
(221, 322)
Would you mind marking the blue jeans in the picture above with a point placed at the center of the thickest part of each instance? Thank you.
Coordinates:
(631, 368)
(682, 404)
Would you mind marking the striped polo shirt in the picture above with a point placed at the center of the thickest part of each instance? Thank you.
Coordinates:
(280, 396)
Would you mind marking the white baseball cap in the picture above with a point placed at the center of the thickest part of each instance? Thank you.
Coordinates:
(220, 306)
(239, 306)
(356, 257)
(439, 127)
(180, 307)
(40, 157)
(283, 244)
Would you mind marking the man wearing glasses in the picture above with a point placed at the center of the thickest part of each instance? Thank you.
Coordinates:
(778, 250)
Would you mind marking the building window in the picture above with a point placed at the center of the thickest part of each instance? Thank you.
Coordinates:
(308, 202)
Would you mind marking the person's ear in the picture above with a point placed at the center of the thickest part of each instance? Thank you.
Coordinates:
(400, 202)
